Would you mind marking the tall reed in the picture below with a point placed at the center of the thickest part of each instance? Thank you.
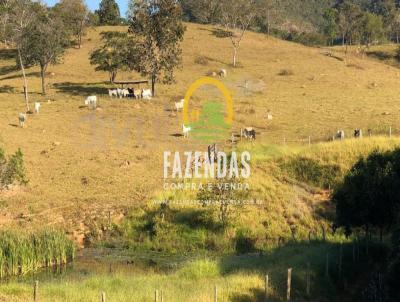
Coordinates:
(22, 253)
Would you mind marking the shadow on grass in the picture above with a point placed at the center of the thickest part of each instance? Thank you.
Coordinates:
(8, 69)
(6, 89)
(301, 255)
(8, 54)
(18, 75)
(380, 55)
(81, 88)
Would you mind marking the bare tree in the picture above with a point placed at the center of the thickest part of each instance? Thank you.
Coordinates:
(237, 16)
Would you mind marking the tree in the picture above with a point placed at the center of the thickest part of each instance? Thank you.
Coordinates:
(21, 15)
(43, 42)
(268, 14)
(372, 28)
(330, 27)
(237, 17)
(158, 31)
(201, 11)
(349, 19)
(369, 194)
(5, 11)
(113, 55)
(74, 14)
(109, 13)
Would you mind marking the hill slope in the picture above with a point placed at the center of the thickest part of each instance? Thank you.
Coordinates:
(84, 164)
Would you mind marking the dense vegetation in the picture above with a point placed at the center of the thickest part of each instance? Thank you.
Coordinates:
(313, 22)
(12, 170)
(24, 253)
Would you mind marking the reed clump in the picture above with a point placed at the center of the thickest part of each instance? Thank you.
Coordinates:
(24, 253)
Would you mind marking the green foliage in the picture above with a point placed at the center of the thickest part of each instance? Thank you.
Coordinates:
(12, 170)
(368, 196)
(313, 172)
(114, 54)
(245, 241)
(330, 27)
(74, 15)
(158, 31)
(108, 13)
(21, 253)
(43, 42)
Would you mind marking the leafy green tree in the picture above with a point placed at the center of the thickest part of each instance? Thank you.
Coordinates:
(370, 194)
(201, 11)
(43, 42)
(330, 27)
(349, 20)
(109, 13)
(372, 28)
(74, 14)
(113, 55)
(158, 31)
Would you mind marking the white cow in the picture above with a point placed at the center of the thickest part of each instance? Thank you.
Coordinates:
(179, 105)
(222, 73)
(124, 93)
(113, 92)
(22, 119)
(91, 101)
(146, 94)
(186, 131)
(37, 107)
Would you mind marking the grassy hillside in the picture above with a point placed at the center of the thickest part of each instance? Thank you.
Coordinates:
(83, 164)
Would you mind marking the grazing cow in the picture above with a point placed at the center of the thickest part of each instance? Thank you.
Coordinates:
(146, 94)
(179, 105)
(113, 92)
(124, 93)
(37, 107)
(22, 119)
(131, 93)
(91, 102)
(340, 135)
(248, 133)
(212, 151)
(186, 131)
(358, 133)
(222, 73)
(137, 93)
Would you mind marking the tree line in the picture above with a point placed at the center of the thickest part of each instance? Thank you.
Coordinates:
(311, 21)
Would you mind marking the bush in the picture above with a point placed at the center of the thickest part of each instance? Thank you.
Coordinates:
(12, 170)
(285, 72)
(201, 60)
(245, 241)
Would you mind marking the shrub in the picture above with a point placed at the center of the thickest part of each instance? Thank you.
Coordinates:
(201, 60)
(12, 170)
(285, 72)
(245, 241)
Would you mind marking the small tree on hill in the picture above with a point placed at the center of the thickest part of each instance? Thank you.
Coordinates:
(237, 17)
(109, 13)
(43, 43)
(74, 14)
(112, 56)
(330, 27)
(158, 31)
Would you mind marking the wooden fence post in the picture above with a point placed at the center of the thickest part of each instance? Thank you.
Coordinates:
(156, 295)
(161, 296)
(308, 279)
(340, 260)
(35, 291)
(390, 132)
(215, 294)
(289, 283)
(266, 287)
(309, 140)
(327, 266)
(103, 297)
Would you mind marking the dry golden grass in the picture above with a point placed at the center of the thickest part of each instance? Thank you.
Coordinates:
(77, 160)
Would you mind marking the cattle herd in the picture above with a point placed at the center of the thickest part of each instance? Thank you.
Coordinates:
(130, 93)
